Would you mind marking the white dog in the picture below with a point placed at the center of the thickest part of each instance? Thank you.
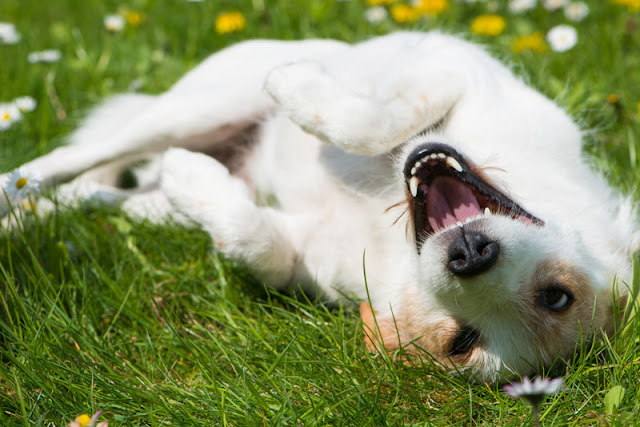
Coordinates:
(412, 171)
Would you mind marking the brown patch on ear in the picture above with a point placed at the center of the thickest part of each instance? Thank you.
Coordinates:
(379, 334)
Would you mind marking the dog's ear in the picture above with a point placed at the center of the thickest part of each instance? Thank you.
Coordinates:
(380, 332)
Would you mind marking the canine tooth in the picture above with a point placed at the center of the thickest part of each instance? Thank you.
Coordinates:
(453, 163)
(413, 185)
(487, 211)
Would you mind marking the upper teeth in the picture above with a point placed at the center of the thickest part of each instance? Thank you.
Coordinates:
(414, 181)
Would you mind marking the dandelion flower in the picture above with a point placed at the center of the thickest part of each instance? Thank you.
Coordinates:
(8, 33)
(552, 5)
(520, 6)
(135, 18)
(488, 25)
(534, 43)
(230, 22)
(576, 11)
(85, 421)
(21, 183)
(44, 56)
(431, 7)
(632, 5)
(25, 104)
(376, 14)
(379, 2)
(562, 38)
(114, 23)
(403, 13)
(534, 392)
(9, 113)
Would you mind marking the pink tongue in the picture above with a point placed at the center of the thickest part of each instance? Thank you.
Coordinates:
(448, 202)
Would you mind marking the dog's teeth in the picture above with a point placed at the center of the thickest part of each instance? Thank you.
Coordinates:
(433, 156)
(413, 185)
(418, 164)
(414, 170)
(453, 163)
(459, 224)
(487, 211)
(442, 156)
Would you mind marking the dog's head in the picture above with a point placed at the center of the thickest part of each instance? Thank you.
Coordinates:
(498, 289)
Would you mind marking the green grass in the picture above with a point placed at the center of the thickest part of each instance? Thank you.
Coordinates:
(147, 324)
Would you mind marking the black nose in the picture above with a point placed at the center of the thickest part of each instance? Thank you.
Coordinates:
(472, 253)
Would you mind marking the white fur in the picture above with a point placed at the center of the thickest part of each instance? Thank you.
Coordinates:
(330, 153)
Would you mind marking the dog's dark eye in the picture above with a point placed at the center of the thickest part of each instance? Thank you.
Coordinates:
(555, 298)
(463, 342)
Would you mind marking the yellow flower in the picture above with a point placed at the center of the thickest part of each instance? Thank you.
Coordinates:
(613, 98)
(431, 7)
(379, 2)
(534, 42)
(84, 420)
(488, 25)
(135, 18)
(230, 22)
(404, 13)
(632, 5)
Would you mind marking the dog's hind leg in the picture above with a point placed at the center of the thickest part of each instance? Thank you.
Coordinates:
(202, 188)
(221, 96)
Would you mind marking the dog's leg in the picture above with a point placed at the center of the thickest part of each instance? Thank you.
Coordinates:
(202, 188)
(414, 95)
(224, 91)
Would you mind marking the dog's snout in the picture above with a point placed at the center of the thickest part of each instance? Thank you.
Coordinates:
(472, 253)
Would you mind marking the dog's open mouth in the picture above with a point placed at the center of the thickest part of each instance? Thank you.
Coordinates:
(445, 192)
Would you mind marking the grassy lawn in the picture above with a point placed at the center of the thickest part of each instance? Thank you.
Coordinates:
(147, 324)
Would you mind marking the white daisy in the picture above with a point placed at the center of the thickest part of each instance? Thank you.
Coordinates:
(9, 113)
(21, 183)
(114, 23)
(376, 14)
(534, 392)
(555, 4)
(539, 387)
(519, 6)
(25, 104)
(8, 33)
(45, 56)
(576, 11)
(562, 38)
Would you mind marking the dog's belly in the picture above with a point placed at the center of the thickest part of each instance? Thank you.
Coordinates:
(336, 213)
